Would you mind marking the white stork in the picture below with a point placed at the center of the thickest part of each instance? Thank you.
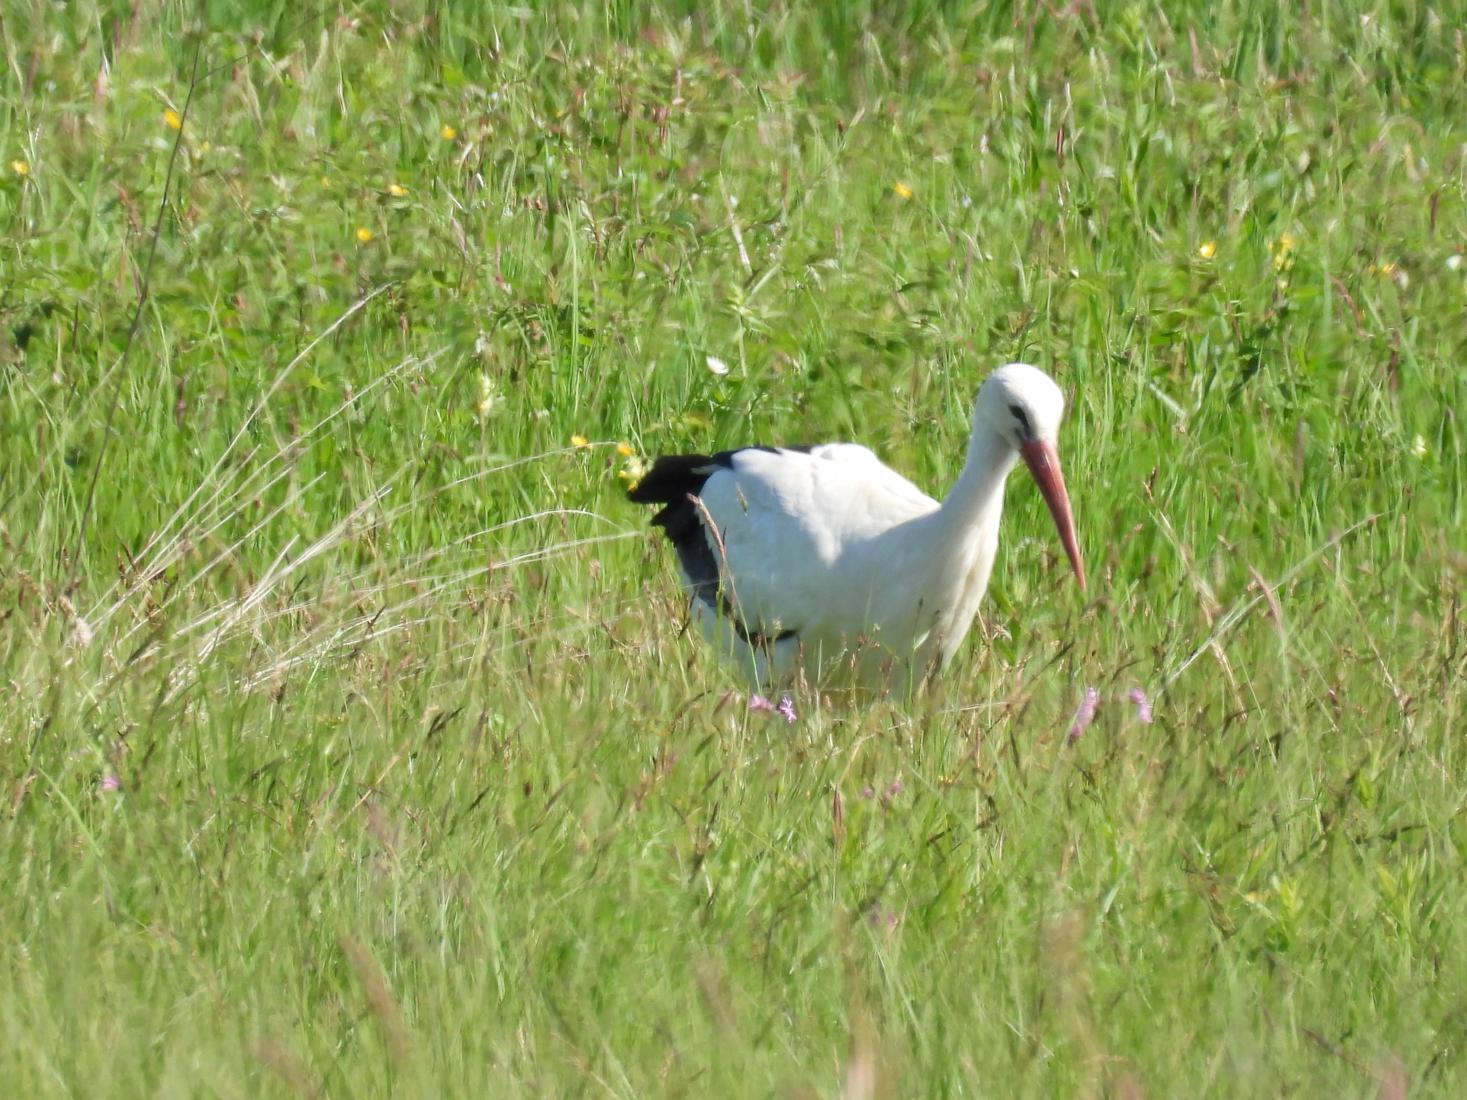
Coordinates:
(823, 560)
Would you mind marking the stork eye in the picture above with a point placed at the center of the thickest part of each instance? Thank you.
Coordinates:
(1023, 418)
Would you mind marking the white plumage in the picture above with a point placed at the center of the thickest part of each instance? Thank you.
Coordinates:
(825, 561)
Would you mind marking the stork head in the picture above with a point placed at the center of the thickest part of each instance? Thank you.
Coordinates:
(1023, 407)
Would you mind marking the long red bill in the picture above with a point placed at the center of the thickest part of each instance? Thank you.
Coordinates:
(1044, 463)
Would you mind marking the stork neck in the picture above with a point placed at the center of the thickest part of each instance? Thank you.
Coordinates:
(977, 498)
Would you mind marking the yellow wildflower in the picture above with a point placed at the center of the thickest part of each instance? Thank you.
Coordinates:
(580, 442)
(173, 119)
(1283, 251)
(364, 235)
(447, 133)
(634, 470)
(1418, 446)
(901, 190)
(1207, 249)
(396, 190)
(325, 181)
(625, 450)
(20, 168)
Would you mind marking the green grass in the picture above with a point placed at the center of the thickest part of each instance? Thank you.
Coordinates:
(422, 790)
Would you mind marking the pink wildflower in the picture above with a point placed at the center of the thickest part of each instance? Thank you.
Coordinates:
(785, 707)
(1143, 706)
(890, 795)
(1085, 715)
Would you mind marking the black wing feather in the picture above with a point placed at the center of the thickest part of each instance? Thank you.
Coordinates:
(674, 482)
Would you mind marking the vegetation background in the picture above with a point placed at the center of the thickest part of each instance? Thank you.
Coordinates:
(349, 742)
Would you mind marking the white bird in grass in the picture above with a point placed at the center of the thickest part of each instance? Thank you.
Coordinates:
(825, 562)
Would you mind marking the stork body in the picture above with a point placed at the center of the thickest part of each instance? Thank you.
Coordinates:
(824, 560)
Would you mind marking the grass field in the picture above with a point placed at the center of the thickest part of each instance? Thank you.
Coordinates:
(348, 741)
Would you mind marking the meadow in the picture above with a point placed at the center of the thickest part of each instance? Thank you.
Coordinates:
(350, 744)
